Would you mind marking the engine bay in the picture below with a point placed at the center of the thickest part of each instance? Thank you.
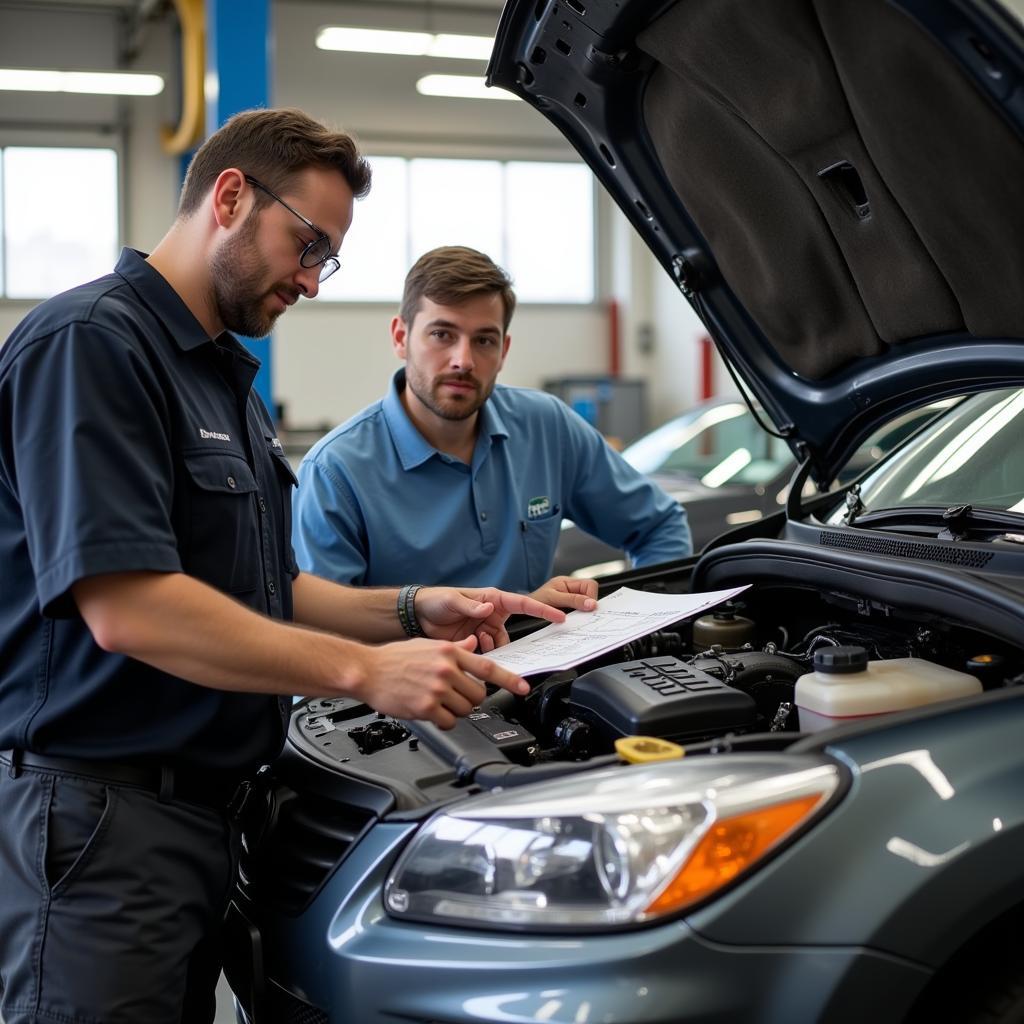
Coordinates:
(726, 677)
(722, 682)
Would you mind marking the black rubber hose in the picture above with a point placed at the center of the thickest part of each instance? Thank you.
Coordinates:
(492, 776)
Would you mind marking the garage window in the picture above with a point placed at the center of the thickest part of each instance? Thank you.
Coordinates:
(59, 223)
(535, 219)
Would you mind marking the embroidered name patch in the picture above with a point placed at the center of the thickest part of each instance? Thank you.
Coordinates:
(213, 435)
(537, 507)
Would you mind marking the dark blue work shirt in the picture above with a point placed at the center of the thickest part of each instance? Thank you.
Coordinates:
(131, 440)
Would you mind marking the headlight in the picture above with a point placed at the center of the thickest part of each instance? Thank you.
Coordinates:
(614, 847)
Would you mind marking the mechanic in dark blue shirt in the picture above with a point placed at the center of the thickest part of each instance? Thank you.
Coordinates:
(148, 583)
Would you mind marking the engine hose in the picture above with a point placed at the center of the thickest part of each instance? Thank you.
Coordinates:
(493, 776)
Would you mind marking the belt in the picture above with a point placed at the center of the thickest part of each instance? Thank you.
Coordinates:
(221, 792)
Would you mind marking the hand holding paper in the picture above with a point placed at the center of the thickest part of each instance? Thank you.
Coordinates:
(621, 617)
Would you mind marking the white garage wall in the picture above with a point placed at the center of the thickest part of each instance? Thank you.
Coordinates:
(328, 364)
(331, 359)
(674, 374)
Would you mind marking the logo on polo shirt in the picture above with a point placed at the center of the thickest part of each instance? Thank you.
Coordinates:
(213, 435)
(537, 507)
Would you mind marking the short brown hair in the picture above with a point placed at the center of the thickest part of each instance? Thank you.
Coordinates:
(272, 146)
(452, 274)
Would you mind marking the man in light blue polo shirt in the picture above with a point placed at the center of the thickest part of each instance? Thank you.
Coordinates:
(450, 479)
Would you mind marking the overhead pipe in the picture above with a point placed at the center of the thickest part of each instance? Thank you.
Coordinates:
(192, 123)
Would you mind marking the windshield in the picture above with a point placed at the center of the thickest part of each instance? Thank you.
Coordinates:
(969, 455)
(722, 444)
(717, 445)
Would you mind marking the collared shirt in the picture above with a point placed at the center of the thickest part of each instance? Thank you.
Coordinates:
(132, 441)
(377, 504)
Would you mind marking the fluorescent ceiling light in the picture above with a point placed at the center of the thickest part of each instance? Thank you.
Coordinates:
(462, 86)
(369, 40)
(105, 83)
(446, 44)
(413, 44)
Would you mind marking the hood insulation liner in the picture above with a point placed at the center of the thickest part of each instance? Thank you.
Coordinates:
(856, 187)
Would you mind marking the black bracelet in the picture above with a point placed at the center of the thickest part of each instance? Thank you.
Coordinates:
(407, 610)
(415, 629)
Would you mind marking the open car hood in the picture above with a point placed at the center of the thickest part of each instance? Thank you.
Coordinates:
(837, 186)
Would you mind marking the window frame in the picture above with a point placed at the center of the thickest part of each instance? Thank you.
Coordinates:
(100, 136)
(375, 148)
(64, 137)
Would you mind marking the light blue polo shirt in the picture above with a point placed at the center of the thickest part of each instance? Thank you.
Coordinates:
(378, 505)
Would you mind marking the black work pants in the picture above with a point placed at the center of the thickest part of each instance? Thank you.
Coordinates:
(111, 902)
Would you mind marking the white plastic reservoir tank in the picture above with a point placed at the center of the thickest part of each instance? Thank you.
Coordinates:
(845, 686)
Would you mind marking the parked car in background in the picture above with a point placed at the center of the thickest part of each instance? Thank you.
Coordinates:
(726, 469)
(836, 187)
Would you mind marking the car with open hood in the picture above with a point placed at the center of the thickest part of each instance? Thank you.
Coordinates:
(804, 805)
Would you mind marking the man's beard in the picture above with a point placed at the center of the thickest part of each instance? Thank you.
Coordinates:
(237, 273)
(447, 408)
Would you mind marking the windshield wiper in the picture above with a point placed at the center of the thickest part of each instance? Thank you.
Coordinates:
(956, 522)
(854, 506)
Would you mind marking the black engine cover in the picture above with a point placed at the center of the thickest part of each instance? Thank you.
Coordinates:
(661, 697)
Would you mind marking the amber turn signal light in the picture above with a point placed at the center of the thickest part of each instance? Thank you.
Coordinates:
(728, 848)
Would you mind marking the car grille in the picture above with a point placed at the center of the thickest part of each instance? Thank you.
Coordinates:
(299, 840)
(946, 554)
(286, 1009)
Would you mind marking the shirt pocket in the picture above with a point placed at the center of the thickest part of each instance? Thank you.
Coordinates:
(223, 546)
(540, 538)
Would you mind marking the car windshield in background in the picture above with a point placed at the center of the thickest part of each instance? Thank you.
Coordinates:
(722, 443)
(970, 455)
(718, 445)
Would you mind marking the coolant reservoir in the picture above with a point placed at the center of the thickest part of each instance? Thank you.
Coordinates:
(845, 686)
(725, 628)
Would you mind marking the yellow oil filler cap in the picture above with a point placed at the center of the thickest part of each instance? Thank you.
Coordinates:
(644, 749)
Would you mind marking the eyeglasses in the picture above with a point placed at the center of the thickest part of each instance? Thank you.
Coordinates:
(316, 253)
